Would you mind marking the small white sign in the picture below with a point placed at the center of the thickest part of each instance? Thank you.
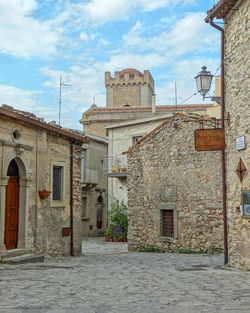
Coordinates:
(30, 171)
(240, 143)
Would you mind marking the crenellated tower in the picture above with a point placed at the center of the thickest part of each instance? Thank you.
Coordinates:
(129, 87)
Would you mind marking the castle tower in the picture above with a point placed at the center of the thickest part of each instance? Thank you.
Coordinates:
(129, 88)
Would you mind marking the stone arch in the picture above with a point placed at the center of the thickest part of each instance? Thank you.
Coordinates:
(21, 167)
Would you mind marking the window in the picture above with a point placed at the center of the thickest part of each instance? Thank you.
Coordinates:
(135, 139)
(84, 206)
(57, 182)
(167, 223)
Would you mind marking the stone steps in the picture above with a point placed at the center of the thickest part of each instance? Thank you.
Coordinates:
(20, 256)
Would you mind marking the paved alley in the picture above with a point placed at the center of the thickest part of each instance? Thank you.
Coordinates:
(108, 279)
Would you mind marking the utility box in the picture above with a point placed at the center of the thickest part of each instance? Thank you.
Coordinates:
(246, 204)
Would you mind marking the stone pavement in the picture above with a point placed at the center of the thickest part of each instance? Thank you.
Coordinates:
(108, 279)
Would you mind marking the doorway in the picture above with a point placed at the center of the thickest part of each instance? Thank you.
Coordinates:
(12, 207)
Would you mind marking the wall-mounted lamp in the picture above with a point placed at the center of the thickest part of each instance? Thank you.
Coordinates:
(203, 83)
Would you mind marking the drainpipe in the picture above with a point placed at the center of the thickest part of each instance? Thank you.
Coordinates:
(71, 200)
(209, 20)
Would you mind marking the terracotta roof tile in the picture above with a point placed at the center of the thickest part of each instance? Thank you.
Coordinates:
(220, 9)
(32, 119)
(139, 108)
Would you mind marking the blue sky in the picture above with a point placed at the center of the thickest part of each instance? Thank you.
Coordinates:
(81, 39)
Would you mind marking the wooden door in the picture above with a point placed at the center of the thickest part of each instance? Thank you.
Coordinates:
(11, 213)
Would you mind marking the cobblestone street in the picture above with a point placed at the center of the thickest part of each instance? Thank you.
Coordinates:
(109, 279)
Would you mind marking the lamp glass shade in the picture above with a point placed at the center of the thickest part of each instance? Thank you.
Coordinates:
(203, 81)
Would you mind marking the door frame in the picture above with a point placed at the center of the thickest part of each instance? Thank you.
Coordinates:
(24, 186)
(8, 209)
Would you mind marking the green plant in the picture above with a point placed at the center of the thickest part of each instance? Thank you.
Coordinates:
(189, 251)
(151, 249)
(118, 215)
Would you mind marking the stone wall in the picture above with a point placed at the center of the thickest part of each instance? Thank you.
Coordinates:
(165, 172)
(237, 83)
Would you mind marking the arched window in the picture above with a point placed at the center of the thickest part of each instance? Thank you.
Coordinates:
(99, 212)
(13, 169)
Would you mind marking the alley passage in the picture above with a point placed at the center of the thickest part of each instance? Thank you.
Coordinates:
(108, 279)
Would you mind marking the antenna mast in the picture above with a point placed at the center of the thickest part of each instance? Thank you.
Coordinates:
(60, 98)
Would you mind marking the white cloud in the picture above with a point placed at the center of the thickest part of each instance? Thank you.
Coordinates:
(23, 36)
(187, 34)
(25, 100)
(83, 36)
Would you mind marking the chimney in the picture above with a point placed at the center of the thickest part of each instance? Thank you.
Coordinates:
(153, 103)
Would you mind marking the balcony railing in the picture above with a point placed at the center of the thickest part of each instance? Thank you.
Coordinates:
(115, 166)
(90, 176)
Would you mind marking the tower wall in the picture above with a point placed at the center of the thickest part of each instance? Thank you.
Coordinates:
(129, 87)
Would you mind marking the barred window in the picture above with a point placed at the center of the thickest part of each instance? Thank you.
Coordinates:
(167, 223)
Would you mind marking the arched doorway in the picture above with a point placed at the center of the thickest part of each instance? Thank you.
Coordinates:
(12, 207)
(99, 212)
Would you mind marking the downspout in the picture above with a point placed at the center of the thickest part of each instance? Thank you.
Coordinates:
(71, 200)
(223, 156)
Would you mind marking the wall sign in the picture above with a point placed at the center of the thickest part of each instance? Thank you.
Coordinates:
(209, 139)
(246, 203)
(240, 143)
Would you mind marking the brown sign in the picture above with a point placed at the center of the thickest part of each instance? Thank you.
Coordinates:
(209, 139)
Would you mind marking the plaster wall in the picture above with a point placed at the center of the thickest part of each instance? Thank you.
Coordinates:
(41, 221)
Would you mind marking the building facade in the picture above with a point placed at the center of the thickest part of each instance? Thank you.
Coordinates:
(94, 186)
(130, 96)
(237, 105)
(174, 191)
(40, 186)
(121, 137)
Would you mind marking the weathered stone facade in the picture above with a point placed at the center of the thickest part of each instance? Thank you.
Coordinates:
(37, 148)
(237, 83)
(166, 173)
(129, 87)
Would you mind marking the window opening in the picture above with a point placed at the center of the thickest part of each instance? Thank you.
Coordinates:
(13, 169)
(167, 223)
(57, 182)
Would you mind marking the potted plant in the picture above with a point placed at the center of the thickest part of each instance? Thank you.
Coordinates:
(43, 194)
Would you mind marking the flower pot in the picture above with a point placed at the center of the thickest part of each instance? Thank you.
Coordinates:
(43, 194)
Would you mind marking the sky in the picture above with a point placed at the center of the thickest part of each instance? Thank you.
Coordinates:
(41, 40)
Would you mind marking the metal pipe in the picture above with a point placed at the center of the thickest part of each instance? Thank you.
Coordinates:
(71, 201)
(223, 155)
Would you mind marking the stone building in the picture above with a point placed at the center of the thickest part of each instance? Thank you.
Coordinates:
(121, 137)
(94, 185)
(40, 186)
(130, 96)
(129, 88)
(174, 191)
(236, 30)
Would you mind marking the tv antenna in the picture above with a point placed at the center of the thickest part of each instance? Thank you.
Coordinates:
(60, 98)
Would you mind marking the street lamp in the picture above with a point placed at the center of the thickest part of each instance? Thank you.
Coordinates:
(203, 81)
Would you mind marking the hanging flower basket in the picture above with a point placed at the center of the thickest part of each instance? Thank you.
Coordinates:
(43, 194)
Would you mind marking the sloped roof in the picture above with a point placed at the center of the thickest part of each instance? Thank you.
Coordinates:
(220, 9)
(182, 115)
(32, 119)
(126, 109)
